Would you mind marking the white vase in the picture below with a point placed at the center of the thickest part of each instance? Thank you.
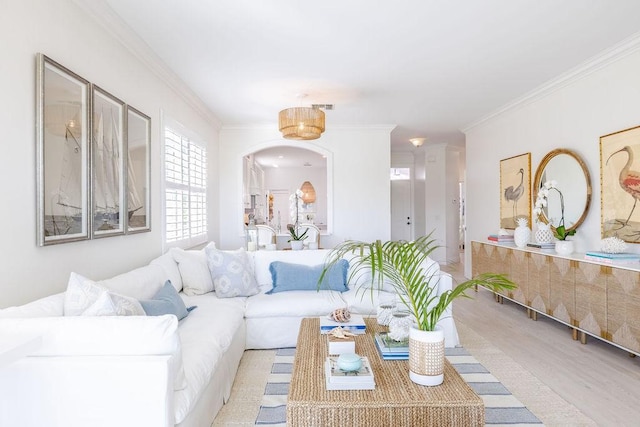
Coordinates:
(426, 356)
(296, 245)
(543, 233)
(522, 233)
(564, 247)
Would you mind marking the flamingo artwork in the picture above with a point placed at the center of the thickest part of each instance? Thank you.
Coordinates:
(514, 194)
(628, 179)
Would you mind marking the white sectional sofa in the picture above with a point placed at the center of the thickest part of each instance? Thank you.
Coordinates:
(155, 370)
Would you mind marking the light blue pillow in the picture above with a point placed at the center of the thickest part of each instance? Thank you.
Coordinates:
(165, 301)
(297, 277)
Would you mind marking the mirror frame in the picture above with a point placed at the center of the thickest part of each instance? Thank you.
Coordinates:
(536, 182)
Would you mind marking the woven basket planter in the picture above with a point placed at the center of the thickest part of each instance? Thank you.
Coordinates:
(426, 356)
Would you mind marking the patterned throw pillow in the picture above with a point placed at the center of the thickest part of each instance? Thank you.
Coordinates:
(84, 297)
(232, 273)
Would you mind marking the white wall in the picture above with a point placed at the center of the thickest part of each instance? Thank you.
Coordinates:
(604, 99)
(62, 31)
(359, 182)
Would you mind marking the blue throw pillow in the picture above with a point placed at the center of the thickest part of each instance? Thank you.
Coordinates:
(165, 301)
(298, 277)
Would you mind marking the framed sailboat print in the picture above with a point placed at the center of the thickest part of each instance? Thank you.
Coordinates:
(62, 153)
(108, 173)
(137, 192)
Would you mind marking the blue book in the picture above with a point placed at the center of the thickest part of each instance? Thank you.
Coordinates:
(624, 255)
(398, 353)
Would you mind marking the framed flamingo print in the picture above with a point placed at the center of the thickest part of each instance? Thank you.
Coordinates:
(515, 190)
(620, 184)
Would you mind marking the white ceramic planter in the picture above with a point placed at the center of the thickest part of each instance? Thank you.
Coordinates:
(296, 245)
(426, 356)
(564, 247)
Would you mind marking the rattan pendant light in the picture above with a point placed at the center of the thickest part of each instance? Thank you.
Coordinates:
(301, 123)
(308, 192)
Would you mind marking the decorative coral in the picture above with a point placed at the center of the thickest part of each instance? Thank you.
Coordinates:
(613, 245)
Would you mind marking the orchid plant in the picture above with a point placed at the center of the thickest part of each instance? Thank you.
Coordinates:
(560, 232)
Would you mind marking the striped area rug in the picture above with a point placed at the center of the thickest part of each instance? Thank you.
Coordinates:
(501, 407)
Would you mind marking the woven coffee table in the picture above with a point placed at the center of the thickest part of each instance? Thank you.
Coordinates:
(396, 401)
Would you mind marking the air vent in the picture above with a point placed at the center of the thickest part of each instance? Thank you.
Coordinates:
(324, 107)
(307, 164)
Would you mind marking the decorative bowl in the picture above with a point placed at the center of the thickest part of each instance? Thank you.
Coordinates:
(349, 362)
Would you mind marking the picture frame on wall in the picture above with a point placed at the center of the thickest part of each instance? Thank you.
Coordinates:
(63, 138)
(108, 173)
(515, 190)
(620, 185)
(138, 199)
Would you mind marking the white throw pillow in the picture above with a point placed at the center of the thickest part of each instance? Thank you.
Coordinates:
(232, 273)
(196, 279)
(87, 298)
(81, 294)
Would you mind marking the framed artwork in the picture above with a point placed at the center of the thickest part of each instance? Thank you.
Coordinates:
(620, 185)
(515, 190)
(107, 164)
(62, 163)
(138, 204)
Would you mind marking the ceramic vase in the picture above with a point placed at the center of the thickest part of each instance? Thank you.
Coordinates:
(564, 247)
(296, 245)
(543, 233)
(522, 233)
(426, 356)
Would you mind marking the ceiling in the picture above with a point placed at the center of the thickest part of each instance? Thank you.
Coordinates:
(430, 67)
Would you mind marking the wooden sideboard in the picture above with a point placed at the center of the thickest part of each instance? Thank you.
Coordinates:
(594, 299)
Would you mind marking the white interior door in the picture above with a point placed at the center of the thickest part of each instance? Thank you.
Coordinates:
(401, 213)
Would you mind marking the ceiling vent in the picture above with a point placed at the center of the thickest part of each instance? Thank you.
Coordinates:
(324, 107)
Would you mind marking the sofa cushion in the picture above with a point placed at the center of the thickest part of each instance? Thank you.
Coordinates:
(140, 283)
(232, 273)
(196, 279)
(165, 301)
(206, 334)
(293, 304)
(297, 277)
(170, 268)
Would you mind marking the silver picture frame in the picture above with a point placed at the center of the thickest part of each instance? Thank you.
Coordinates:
(108, 172)
(138, 194)
(62, 165)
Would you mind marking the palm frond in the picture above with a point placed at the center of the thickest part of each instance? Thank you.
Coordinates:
(406, 266)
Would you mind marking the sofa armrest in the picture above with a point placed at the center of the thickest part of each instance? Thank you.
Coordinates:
(99, 335)
(80, 391)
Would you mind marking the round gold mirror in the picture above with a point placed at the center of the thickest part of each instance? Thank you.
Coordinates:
(570, 176)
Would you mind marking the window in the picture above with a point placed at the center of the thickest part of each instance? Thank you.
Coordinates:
(185, 164)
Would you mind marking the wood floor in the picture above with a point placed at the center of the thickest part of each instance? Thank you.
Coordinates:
(602, 381)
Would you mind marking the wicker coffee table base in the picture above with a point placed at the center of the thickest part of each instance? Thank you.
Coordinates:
(396, 400)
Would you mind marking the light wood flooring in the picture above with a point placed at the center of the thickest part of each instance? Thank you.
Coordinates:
(601, 380)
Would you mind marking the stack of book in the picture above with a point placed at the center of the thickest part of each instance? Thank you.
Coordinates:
(500, 238)
(625, 258)
(355, 325)
(547, 245)
(336, 379)
(390, 349)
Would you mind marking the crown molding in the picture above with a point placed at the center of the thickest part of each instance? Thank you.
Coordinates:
(383, 127)
(113, 24)
(602, 60)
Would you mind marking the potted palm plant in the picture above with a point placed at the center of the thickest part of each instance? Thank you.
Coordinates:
(405, 266)
(296, 239)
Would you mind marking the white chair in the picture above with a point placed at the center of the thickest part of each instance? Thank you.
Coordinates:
(266, 235)
(313, 233)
